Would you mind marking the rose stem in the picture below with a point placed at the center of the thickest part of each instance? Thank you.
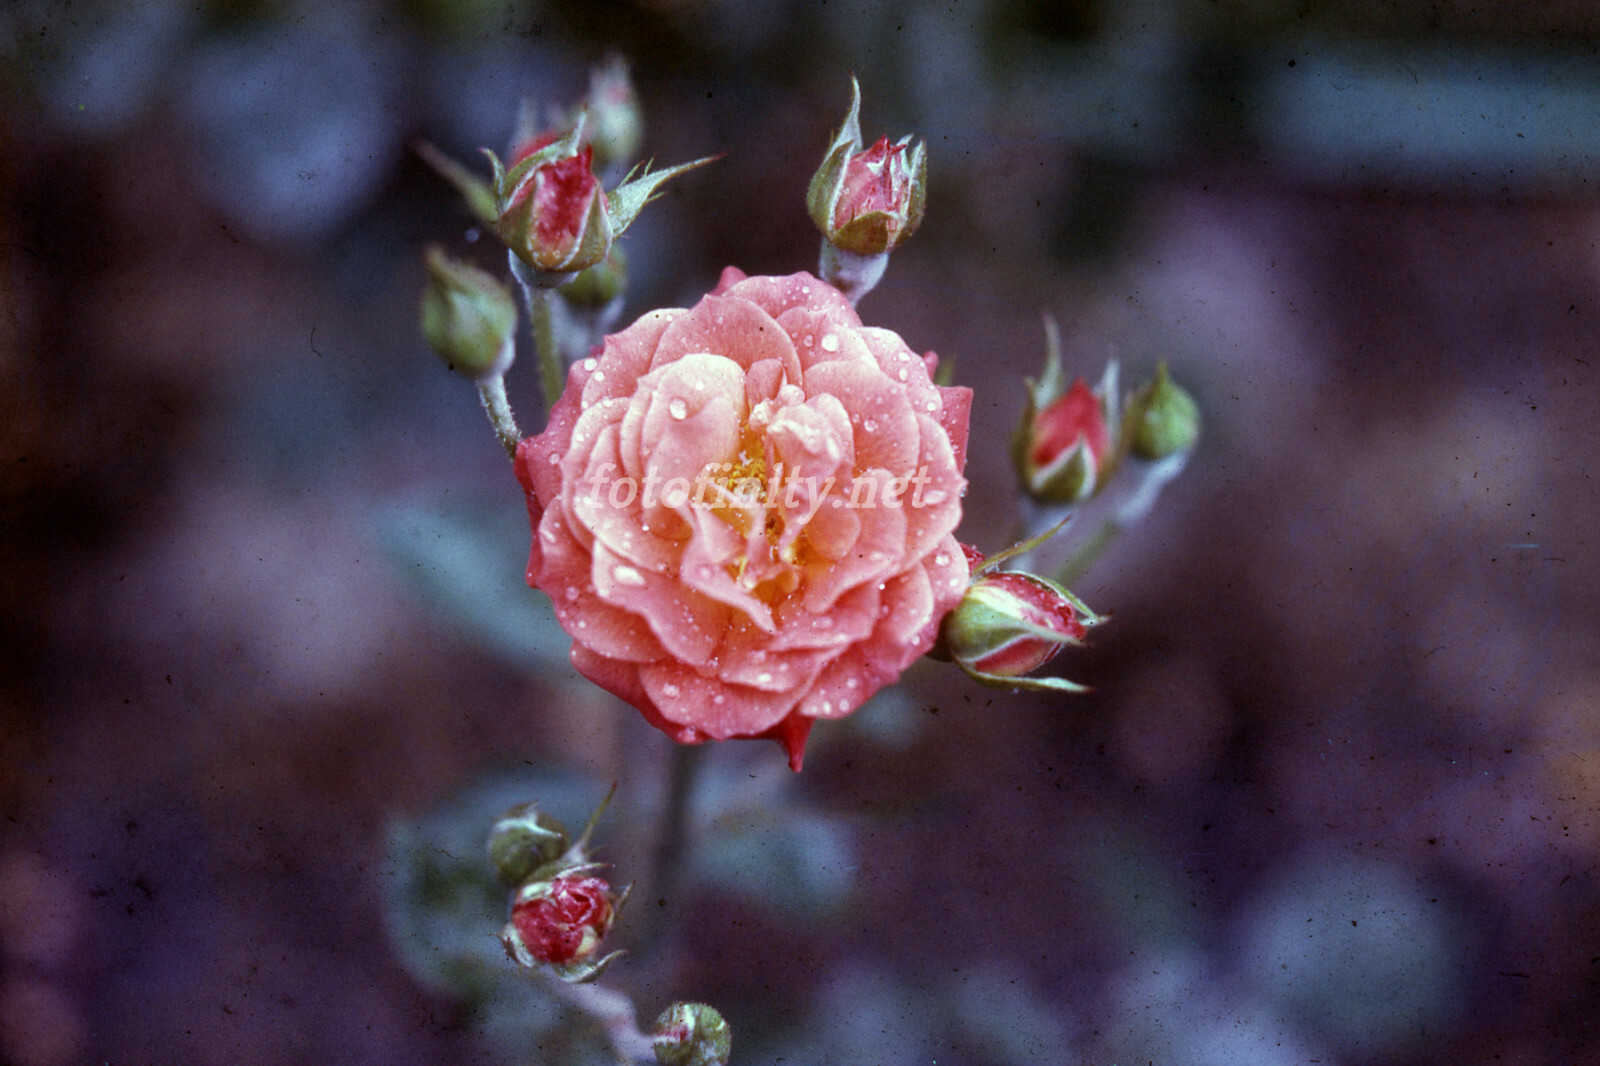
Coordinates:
(673, 831)
(492, 391)
(1128, 512)
(552, 374)
(611, 1010)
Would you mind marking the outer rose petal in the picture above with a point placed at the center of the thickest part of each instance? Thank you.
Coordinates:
(751, 605)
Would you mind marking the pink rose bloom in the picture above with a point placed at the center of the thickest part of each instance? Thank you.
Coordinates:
(743, 510)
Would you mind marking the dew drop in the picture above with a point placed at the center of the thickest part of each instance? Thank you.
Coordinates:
(851, 683)
(830, 342)
(807, 339)
(955, 582)
(678, 408)
(718, 699)
(902, 374)
(843, 706)
(934, 497)
(824, 622)
(700, 385)
(589, 364)
(827, 706)
(548, 534)
(933, 405)
(627, 575)
(599, 375)
(838, 502)
(572, 593)
(554, 460)
(941, 559)
(870, 425)
(764, 678)
(670, 691)
(582, 624)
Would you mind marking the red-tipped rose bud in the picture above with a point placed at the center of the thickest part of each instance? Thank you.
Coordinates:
(1009, 624)
(691, 1034)
(551, 210)
(1065, 447)
(866, 202)
(555, 217)
(560, 921)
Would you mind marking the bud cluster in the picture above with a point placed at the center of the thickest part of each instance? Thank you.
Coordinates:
(1072, 438)
(562, 908)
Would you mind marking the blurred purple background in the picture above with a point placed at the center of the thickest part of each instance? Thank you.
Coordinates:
(1337, 795)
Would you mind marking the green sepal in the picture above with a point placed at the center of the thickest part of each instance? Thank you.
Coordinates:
(826, 184)
(478, 194)
(629, 198)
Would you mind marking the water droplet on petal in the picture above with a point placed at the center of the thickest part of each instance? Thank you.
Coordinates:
(870, 425)
(934, 497)
(825, 622)
(902, 374)
(678, 408)
(627, 575)
(555, 460)
(670, 691)
(700, 385)
(827, 706)
(851, 683)
(941, 559)
(572, 593)
(589, 364)
(599, 375)
(718, 699)
(763, 678)
(830, 342)
(933, 405)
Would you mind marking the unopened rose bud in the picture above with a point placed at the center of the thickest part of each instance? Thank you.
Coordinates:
(867, 202)
(559, 922)
(468, 317)
(522, 840)
(599, 285)
(554, 216)
(1064, 449)
(1009, 624)
(616, 125)
(691, 1034)
(552, 213)
(1162, 419)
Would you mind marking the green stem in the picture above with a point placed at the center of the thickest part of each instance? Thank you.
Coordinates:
(672, 832)
(611, 1010)
(1086, 553)
(492, 391)
(552, 369)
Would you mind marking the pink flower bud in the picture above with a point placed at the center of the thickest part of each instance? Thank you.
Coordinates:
(879, 205)
(1066, 446)
(1076, 420)
(1008, 624)
(559, 921)
(867, 202)
(556, 219)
